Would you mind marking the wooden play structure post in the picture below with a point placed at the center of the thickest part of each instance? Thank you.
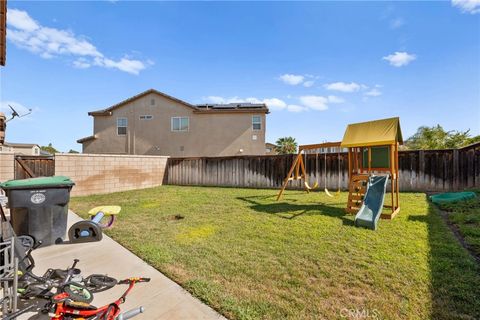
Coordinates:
(372, 149)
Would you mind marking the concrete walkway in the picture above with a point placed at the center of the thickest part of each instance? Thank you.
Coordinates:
(161, 297)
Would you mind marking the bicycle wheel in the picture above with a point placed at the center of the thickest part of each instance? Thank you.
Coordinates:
(101, 281)
(78, 292)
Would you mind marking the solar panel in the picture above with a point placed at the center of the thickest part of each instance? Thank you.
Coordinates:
(224, 106)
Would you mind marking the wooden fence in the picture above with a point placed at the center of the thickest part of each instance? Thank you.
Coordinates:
(34, 166)
(420, 170)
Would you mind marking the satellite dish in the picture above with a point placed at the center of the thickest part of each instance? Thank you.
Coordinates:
(15, 114)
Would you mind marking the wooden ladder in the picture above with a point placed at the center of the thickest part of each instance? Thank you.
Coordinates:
(356, 192)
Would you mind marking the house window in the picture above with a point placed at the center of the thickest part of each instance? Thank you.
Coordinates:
(146, 117)
(180, 124)
(152, 102)
(257, 122)
(268, 150)
(122, 124)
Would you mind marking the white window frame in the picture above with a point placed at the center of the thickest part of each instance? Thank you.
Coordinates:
(180, 119)
(146, 117)
(125, 126)
(255, 122)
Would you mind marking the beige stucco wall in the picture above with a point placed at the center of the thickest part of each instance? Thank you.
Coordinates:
(101, 173)
(212, 134)
(6, 166)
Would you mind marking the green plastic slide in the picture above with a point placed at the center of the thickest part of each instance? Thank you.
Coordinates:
(452, 197)
(372, 206)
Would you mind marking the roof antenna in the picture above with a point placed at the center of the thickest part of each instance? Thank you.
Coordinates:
(15, 114)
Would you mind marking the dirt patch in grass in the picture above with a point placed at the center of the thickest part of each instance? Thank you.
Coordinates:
(174, 217)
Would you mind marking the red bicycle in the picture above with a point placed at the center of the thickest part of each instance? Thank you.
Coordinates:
(66, 309)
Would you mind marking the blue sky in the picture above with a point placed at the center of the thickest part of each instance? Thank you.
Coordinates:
(319, 65)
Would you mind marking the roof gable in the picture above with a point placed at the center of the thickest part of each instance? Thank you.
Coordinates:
(373, 133)
(108, 111)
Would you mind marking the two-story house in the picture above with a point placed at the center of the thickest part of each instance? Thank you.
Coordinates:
(153, 123)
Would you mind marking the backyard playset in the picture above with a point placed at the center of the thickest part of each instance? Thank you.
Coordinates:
(372, 161)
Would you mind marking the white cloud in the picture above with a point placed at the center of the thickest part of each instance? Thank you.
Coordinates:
(21, 20)
(399, 59)
(81, 63)
(315, 102)
(295, 108)
(275, 103)
(214, 99)
(307, 80)
(335, 99)
(343, 86)
(292, 79)
(48, 42)
(397, 23)
(308, 84)
(467, 6)
(319, 103)
(373, 92)
(124, 64)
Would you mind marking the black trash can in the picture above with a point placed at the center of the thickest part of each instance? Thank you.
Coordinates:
(39, 207)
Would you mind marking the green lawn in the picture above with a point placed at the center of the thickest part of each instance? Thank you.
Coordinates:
(251, 257)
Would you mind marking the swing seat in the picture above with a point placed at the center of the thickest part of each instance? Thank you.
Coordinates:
(315, 185)
(328, 193)
(332, 195)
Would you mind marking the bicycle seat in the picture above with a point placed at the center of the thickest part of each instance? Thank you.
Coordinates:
(107, 210)
(79, 305)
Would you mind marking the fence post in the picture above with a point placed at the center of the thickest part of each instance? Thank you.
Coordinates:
(421, 169)
(455, 169)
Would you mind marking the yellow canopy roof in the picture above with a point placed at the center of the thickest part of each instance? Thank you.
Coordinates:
(373, 133)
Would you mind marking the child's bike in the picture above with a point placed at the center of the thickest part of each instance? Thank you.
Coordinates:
(63, 280)
(65, 308)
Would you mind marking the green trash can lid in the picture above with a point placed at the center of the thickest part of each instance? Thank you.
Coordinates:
(41, 182)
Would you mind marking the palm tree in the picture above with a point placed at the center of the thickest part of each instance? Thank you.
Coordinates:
(286, 145)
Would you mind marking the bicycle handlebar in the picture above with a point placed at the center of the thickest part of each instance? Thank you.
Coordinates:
(130, 314)
(130, 280)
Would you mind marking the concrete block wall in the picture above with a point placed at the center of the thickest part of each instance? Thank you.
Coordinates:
(102, 173)
(7, 166)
